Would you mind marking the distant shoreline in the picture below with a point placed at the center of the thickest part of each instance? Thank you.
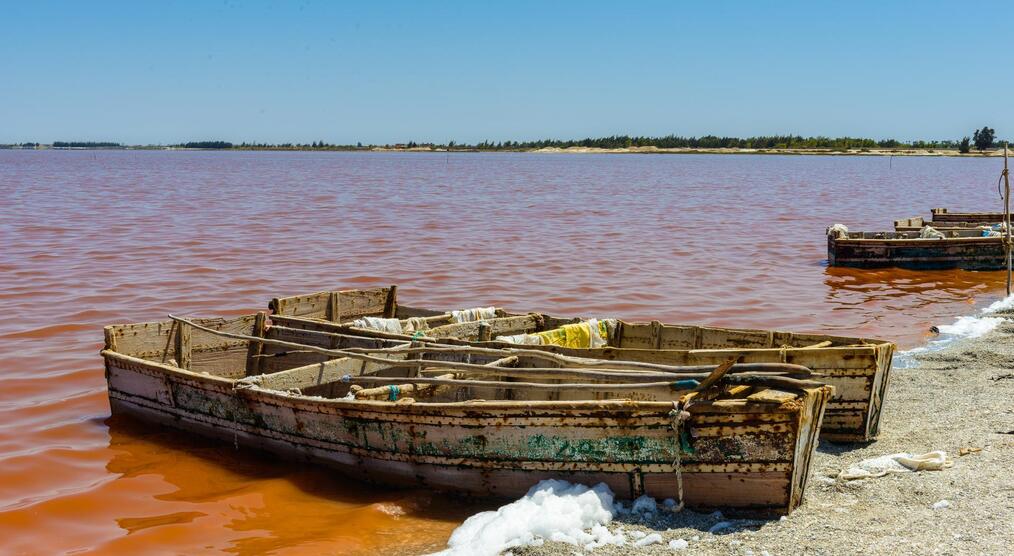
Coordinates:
(567, 150)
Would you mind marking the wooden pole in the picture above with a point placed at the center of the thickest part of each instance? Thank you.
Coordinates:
(1006, 215)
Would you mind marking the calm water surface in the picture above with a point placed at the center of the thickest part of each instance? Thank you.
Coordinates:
(92, 238)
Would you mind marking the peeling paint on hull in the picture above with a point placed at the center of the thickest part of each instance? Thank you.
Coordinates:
(749, 459)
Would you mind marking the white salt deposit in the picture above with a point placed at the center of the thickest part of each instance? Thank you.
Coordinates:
(720, 526)
(970, 326)
(653, 538)
(941, 505)
(644, 505)
(678, 544)
(551, 510)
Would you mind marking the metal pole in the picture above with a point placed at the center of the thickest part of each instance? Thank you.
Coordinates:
(1006, 214)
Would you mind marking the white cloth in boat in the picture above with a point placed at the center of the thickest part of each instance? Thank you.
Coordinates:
(393, 326)
(929, 232)
(415, 324)
(376, 323)
(522, 339)
(472, 315)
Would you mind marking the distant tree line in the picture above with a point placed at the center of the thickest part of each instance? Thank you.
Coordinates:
(982, 140)
(87, 144)
(205, 145)
(716, 142)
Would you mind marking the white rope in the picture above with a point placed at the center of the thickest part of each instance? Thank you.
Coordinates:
(679, 415)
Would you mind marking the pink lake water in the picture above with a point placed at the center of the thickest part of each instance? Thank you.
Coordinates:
(89, 238)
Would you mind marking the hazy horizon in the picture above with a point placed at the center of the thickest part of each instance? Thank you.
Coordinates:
(399, 72)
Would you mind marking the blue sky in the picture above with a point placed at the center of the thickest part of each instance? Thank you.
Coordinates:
(157, 72)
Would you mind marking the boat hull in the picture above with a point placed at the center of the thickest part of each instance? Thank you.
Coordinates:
(750, 458)
(967, 253)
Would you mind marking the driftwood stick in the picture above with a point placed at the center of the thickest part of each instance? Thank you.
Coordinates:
(584, 361)
(586, 374)
(410, 388)
(716, 375)
(503, 362)
(770, 381)
(501, 384)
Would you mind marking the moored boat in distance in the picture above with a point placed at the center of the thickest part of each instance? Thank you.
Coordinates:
(858, 368)
(917, 223)
(476, 421)
(941, 215)
(939, 249)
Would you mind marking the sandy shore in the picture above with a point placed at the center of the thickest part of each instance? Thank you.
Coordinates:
(958, 397)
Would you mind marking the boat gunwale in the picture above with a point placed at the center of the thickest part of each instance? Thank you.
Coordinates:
(860, 343)
(617, 405)
(916, 242)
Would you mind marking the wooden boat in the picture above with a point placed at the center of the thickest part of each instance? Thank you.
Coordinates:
(917, 223)
(941, 215)
(472, 420)
(858, 368)
(960, 248)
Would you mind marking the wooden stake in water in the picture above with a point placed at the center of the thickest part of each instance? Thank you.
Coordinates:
(1006, 214)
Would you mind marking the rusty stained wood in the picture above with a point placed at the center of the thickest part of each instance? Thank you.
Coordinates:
(962, 248)
(182, 345)
(749, 445)
(944, 215)
(856, 367)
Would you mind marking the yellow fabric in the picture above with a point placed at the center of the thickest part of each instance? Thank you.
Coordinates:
(572, 335)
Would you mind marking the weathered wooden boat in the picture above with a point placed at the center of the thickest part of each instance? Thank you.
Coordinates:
(959, 248)
(941, 215)
(917, 223)
(473, 420)
(858, 368)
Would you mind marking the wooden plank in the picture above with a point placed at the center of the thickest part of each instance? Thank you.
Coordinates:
(352, 304)
(182, 345)
(656, 334)
(770, 395)
(485, 332)
(254, 362)
(334, 307)
(391, 303)
(230, 362)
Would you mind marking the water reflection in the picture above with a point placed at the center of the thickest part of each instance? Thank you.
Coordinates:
(268, 506)
(875, 297)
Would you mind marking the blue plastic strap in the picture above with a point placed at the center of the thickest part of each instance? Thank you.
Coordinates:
(393, 391)
(686, 384)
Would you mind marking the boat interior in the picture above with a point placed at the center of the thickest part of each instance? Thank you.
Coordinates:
(316, 312)
(917, 223)
(948, 232)
(247, 353)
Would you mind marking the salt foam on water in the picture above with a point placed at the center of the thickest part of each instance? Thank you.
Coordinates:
(552, 510)
(969, 326)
